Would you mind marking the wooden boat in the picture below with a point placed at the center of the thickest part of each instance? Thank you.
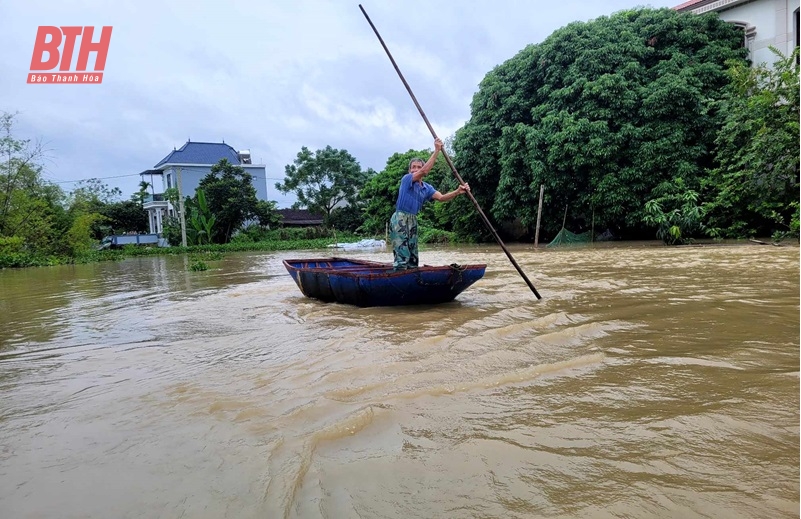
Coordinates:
(369, 283)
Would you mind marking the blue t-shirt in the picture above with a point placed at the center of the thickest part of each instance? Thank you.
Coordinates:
(412, 195)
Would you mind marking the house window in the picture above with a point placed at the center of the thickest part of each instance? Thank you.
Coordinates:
(169, 181)
(749, 34)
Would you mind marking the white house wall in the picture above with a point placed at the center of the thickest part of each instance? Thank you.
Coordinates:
(191, 175)
(190, 178)
(259, 180)
(774, 21)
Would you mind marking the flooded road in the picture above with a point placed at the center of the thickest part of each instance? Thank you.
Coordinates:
(648, 382)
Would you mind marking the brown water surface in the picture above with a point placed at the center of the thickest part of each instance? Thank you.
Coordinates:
(648, 382)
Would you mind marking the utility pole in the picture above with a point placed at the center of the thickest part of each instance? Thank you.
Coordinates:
(181, 209)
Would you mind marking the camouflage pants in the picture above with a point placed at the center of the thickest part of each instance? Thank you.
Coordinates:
(403, 234)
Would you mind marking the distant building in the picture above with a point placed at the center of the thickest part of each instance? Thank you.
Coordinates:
(299, 218)
(194, 161)
(764, 23)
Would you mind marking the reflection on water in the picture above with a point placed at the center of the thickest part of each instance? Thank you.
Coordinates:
(648, 382)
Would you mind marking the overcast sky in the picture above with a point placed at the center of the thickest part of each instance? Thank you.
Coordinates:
(267, 76)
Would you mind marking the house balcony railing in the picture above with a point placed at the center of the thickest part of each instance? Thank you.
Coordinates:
(154, 198)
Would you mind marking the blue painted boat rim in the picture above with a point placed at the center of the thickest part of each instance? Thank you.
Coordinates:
(359, 267)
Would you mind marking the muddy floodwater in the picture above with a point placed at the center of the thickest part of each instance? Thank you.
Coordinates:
(649, 381)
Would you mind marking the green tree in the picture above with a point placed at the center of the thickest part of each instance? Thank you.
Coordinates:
(93, 197)
(93, 193)
(231, 198)
(171, 230)
(267, 213)
(323, 179)
(171, 226)
(601, 112)
(80, 238)
(754, 189)
(125, 216)
(30, 208)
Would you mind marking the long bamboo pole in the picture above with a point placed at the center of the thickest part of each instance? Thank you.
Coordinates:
(448, 159)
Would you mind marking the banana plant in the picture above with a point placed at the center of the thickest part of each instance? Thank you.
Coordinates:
(676, 214)
(201, 219)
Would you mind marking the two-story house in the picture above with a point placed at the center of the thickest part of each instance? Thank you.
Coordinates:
(189, 164)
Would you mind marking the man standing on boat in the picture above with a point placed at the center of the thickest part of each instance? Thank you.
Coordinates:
(413, 193)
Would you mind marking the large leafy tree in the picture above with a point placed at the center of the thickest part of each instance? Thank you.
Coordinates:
(324, 179)
(230, 197)
(754, 190)
(601, 113)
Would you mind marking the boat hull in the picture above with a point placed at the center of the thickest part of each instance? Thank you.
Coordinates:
(369, 283)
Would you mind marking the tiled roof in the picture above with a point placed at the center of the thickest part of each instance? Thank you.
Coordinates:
(300, 217)
(688, 4)
(200, 153)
